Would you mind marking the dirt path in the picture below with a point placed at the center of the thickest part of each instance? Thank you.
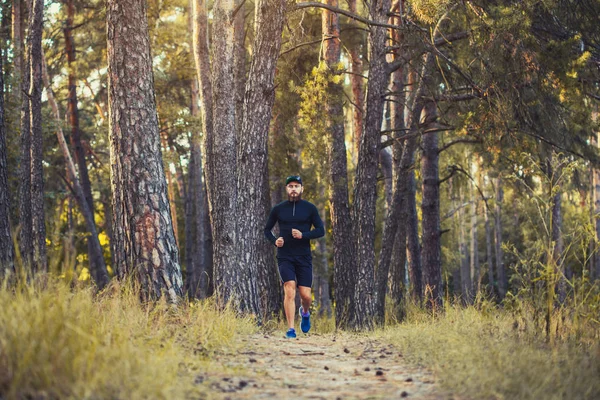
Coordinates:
(317, 367)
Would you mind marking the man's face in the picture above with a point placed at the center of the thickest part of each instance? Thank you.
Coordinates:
(294, 190)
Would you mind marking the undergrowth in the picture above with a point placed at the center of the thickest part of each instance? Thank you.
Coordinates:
(483, 351)
(59, 342)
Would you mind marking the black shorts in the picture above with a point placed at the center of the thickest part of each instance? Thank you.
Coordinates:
(296, 268)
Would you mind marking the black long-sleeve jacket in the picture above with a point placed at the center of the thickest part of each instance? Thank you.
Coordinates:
(290, 215)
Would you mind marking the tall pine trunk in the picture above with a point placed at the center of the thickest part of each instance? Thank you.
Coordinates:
(7, 251)
(204, 218)
(489, 243)
(356, 82)
(73, 117)
(366, 173)
(430, 209)
(25, 232)
(97, 264)
(474, 243)
(501, 273)
(143, 236)
(344, 260)
(38, 221)
(221, 160)
(596, 203)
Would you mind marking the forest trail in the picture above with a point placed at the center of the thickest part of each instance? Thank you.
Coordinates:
(317, 366)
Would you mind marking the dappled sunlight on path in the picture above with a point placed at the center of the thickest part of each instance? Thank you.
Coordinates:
(317, 367)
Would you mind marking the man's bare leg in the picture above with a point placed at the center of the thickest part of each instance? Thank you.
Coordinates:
(305, 298)
(289, 301)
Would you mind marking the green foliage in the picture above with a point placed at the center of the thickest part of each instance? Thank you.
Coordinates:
(57, 342)
(429, 11)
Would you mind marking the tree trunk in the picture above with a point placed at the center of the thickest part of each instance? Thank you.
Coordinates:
(256, 254)
(397, 267)
(73, 117)
(222, 163)
(170, 187)
(202, 61)
(240, 64)
(502, 283)
(366, 173)
(7, 253)
(465, 273)
(356, 81)
(38, 222)
(323, 290)
(553, 171)
(413, 246)
(489, 243)
(17, 47)
(596, 201)
(344, 259)
(395, 194)
(430, 209)
(97, 264)
(143, 231)
(26, 232)
(474, 258)
(557, 239)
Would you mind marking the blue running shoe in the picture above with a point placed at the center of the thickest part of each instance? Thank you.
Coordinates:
(291, 333)
(305, 324)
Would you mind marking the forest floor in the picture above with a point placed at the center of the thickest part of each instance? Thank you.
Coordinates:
(316, 366)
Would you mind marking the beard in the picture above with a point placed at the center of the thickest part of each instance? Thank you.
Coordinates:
(297, 197)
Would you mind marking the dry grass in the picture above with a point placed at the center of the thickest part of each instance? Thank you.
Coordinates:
(487, 353)
(58, 342)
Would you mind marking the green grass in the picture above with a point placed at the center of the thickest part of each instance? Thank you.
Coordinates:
(60, 342)
(490, 354)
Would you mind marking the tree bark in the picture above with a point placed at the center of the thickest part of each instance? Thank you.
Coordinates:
(358, 93)
(395, 193)
(323, 290)
(97, 264)
(465, 273)
(553, 171)
(144, 242)
(256, 254)
(397, 267)
(366, 172)
(596, 200)
(17, 47)
(413, 246)
(489, 243)
(240, 64)
(25, 233)
(502, 283)
(38, 222)
(203, 70)
(221, 160)
(430, 208)
(7, 252)
(73, 117)
(474, 258)
(344, 260)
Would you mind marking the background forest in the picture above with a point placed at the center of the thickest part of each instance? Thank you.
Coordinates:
(451, 148)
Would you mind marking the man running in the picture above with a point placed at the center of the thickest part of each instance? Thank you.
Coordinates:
(295, 217)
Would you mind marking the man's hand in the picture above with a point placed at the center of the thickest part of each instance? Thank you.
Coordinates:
(279, 242)
(296, 234)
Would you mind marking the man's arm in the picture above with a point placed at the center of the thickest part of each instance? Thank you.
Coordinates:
(319, 230)
(269, 226)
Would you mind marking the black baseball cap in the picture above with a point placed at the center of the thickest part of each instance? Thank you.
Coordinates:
(293, 178)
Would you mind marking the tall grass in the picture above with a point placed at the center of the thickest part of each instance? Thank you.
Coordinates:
(60, 342)
(489, 353)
